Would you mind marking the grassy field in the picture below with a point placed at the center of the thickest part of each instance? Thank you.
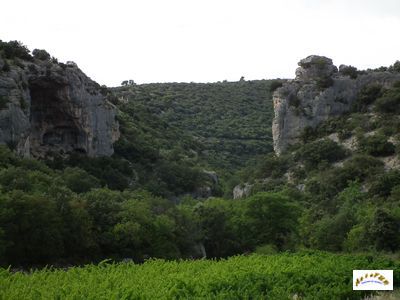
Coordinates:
(304, 275)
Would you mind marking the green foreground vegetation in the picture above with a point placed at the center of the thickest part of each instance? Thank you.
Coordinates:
(307, 275)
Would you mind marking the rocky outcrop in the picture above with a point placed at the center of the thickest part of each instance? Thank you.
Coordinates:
(50, 107)
(242, 191)
(318, 92)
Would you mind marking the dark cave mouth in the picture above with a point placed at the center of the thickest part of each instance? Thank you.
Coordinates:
(54, 128)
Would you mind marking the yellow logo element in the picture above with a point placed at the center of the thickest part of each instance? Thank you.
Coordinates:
(372, 277)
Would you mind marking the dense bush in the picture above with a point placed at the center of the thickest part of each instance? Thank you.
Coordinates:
(389, 102)
(349, 71)
(395, 67)
(384, 184)
(376, 145)
(49, 216)
(321, 150)
(270, 166)
(41, 54)
(275, 84)
(15, 49)
(325, 82)
(384, 230)
(272, 218)
(367, 96)
(327, 184)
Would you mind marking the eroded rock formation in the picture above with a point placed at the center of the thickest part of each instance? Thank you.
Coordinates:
(318, 92)
(49, 107)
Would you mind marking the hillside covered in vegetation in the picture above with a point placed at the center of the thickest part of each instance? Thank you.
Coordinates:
(335, 186)
(346, 167)
(231, 120)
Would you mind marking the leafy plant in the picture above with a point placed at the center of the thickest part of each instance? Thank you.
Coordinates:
(376, 145)
(13, 49)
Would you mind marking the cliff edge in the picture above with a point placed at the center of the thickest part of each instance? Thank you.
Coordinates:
(319, 91)
(49, 107)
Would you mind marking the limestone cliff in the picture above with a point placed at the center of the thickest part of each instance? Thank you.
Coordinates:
(318, 92)
(47, 107)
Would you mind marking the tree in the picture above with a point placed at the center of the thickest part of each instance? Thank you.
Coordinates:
(79, 180)
(315, 152)
(213, 219)
(129, 82)
(41, 54)
(348, 71)
(272, 217)
(390, 101)
(104, 207)
(77, 229)
(385, 231)
(330, 232)
(395, 67)
(377, 145)
(31, 227)
(14, 49)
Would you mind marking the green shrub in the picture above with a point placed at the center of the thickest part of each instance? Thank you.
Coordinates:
(349, 71)
(79, 181)
(267, 249)
(324, 82)
(324, 186)
(395, 67)
(389, 102)
(272, 218)
(384, 184)
(41, 54)
(275, 84)
(367, 96)
(270, 166)
(376, 145)
(308, 134)
(15, 49)
(322, 150)
(330, 231)
(384, 230)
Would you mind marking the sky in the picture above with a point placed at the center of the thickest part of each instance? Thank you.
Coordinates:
(204, 40)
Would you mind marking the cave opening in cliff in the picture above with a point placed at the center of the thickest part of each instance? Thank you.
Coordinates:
(53, 126)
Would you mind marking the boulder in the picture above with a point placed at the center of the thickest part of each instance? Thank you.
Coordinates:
(242, 191)
(314, 68)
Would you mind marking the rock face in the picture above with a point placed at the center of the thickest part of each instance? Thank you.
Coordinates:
(318, 92)
(242, 191)
(49, 107)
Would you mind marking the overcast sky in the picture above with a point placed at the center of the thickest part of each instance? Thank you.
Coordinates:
(204, 40)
